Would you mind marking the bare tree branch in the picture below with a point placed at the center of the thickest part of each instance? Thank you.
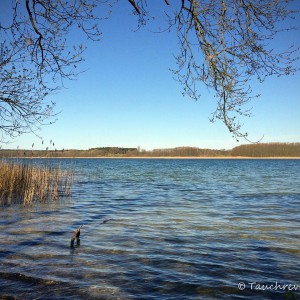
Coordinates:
(223, 44)
(132, 2)
(36, 57)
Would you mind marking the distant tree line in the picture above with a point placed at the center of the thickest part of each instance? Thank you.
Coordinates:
(108, 151)
(250, 150)
(267, 150)
(183, 152)
(93, 152)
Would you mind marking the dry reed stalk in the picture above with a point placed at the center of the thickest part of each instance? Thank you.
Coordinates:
(25, 184)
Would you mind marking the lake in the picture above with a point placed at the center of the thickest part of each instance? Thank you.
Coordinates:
(176, 229)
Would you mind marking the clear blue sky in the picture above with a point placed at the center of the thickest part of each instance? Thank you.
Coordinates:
(127, 98)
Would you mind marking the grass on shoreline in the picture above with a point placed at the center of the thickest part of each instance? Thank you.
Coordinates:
(25, 183)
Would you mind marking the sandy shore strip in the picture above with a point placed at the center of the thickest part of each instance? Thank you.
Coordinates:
(157, 157)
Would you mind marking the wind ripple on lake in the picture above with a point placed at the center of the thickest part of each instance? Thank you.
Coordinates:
(176, 229)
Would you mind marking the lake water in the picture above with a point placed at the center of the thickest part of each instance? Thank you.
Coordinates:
(176, 229)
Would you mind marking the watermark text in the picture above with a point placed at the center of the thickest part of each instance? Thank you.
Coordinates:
(276, 286)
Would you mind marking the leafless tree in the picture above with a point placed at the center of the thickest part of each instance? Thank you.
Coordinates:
(36, 55)
(223, 44)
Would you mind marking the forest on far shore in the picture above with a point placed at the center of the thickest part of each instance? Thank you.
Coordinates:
(249, 150)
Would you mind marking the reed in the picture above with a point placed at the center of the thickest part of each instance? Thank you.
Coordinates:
(24, 183)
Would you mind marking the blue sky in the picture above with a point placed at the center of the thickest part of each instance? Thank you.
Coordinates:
(127, 98)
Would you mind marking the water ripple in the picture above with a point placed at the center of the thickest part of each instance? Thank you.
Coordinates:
(176, 229)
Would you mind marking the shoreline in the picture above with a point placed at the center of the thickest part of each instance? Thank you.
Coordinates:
(157, 157)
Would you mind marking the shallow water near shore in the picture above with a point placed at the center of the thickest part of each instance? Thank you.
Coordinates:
(176, 229)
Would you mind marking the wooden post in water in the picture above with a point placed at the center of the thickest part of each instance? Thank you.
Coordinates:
(76, 236)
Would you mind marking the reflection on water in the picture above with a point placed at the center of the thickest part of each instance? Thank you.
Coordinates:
(177, 229)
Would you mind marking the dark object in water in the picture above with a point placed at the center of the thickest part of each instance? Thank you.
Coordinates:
(76, 236)
(105, 221)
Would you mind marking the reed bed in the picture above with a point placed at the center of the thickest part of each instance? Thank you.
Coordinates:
(25, 184)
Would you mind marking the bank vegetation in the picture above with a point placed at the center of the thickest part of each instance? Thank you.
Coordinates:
(250, 150)
(25, 183)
